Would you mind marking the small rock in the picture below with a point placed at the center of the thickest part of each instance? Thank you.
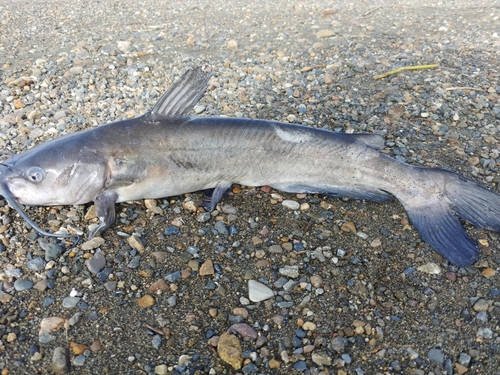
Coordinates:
(488, 273)
(94, 243)
(321, 359)
(159, 284)
(36, 264)
(309, 326)
(300, 366)
(96, 346)
(481, 305)
(96, 263)
(430, 268)
(258, 292)
(77, 348)
(325, 33)
(316, 281)
(348, 227)
(244, 330)
(70, 302)
(161, 370)
(146, 301)
(229, 350)
(207, 268)
(290, 271)
(50, 325)
(79, 360)
(292, 205)
(171, 230)
(23, 284)
(135, 243)
(436, 355)
(232, 44)
(60, 361)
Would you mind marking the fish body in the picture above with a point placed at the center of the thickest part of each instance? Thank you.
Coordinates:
(166, 153)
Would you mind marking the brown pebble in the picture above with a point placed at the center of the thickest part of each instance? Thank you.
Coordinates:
(146, 301)
(213, 341)
(316, 281)
(96, 346)
(159, 284)
(186, 272)
(460, 369)
(77, 348)
(308, 348)
(160, 255)
(240, 311)
(213, 312)
(50, 324)
(207, 268)
(488, 273)
(274, 364)
(348, 227)
(450, 276)
(257, 241)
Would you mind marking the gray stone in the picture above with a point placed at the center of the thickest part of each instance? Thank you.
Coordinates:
(96, 263)
(258, 292)
(23, 284)
(436, 355)
(36, 264)
(290, 271)
(70, 302)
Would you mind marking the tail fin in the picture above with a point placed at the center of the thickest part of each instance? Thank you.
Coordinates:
(437, 220)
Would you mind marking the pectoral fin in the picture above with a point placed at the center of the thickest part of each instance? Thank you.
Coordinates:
(213, 196)
(105, 209)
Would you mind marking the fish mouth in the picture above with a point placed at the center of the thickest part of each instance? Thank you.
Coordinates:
(7, 194)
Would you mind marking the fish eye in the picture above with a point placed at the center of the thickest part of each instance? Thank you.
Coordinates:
(35, 174)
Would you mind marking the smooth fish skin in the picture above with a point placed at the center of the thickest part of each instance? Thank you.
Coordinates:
(164, 153)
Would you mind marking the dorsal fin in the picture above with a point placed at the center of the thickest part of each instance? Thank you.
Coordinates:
(183, 95)
(372, 140)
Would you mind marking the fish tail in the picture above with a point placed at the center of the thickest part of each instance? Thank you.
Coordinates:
(436, 214)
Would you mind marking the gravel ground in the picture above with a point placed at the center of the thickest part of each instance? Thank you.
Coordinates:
(347, 287)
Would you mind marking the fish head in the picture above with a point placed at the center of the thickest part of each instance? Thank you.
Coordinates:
(53, 174)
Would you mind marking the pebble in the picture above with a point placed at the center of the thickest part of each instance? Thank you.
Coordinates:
(290, 271)
(157, 341)
(229, 350)
(258, 292)
(171, 230)
(70, 302)
(321, 358)
(292, 205)
(36, 264)
(92, 244)
(146, 301)
(430, 268)
(173, 277)
(207, 268)
(300, 366)
(436, 355)
(96, 263)
(60, 361)
(136, 243)
(52, 250)
(79, 360)
(481, 305)
(22, 284)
